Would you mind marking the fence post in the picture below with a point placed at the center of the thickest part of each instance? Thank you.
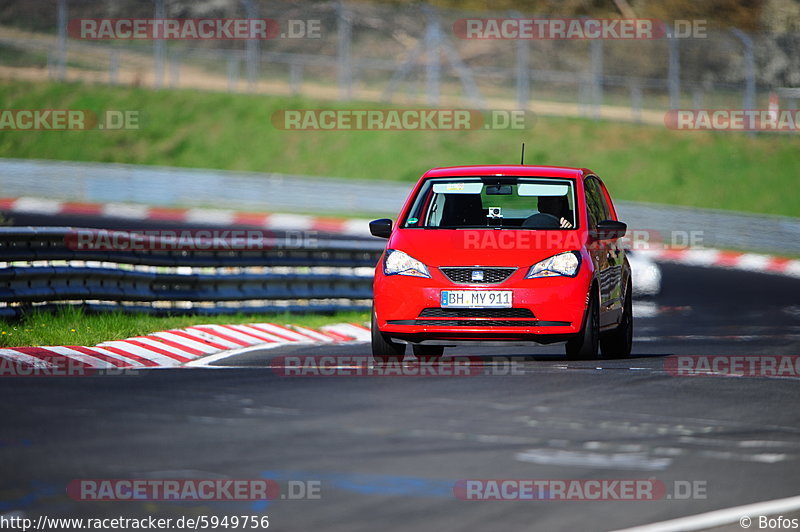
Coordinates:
(251, 48)
(583, 97)
(697, 97)
(233, 70)
(295, 76)
(597, 77)
(432, 65)
(344, 66)
(113, 67)
(523, 71)
(749, 69)
(674, 71)
(158, 46)
(61, 69)
(174, 69)
(636, 100)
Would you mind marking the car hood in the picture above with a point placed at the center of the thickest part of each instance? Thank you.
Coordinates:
(484, 247)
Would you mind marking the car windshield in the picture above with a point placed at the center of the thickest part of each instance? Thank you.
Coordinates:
(494, 202)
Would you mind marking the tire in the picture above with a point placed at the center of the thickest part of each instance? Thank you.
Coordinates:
(584, 345)
(618, 343)
(383, 349)
(428, 353)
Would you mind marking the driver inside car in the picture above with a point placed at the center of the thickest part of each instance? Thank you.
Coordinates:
(556, 206)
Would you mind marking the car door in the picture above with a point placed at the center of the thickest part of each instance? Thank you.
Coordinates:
(616, 260)
(604, 258)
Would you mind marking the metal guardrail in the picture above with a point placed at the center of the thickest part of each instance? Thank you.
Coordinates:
(40, 266)
(353, 54)
(270, 192)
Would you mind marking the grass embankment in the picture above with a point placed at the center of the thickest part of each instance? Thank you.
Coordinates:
(234, 132)
(71, 326)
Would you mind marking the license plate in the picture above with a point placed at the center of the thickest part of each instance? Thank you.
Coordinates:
(476, 298)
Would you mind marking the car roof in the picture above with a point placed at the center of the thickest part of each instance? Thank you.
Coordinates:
(509, 170)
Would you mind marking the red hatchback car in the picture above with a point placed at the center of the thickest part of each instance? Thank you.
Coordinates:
(503, 253)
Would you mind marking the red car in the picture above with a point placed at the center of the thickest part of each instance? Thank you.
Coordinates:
(503, 253)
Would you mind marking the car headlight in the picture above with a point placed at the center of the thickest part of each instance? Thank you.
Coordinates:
(564, 264)
(399, 263)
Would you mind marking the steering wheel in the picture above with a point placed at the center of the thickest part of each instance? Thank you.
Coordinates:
(542, 220)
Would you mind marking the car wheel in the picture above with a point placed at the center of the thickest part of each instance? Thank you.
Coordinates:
(428, 353)
(584, 346)
(383, 349)
(618, 343)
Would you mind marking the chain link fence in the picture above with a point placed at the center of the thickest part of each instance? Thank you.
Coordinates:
(409, 54)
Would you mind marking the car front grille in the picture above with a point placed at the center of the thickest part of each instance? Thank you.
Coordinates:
(477, 317)
(477, 323)
(465, 275)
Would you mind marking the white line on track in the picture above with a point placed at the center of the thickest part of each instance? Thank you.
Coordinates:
(316, 335)
(637, 461)
(211, 359)
(349, 329)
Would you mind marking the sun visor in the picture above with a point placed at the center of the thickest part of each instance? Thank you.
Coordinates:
(541, 189)
(458, 188)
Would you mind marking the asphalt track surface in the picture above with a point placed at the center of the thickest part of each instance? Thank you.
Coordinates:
(387, 451)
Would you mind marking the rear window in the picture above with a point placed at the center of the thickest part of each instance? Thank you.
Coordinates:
(494, 202)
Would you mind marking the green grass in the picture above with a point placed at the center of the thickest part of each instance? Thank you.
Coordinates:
(72, 326)
(234, 132)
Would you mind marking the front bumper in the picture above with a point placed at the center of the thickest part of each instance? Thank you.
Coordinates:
(556, 307)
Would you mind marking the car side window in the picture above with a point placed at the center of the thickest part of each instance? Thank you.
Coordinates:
(607, 210)
(594, 203)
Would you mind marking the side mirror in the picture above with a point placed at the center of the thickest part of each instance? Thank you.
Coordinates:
(610, 230)
(381, 228)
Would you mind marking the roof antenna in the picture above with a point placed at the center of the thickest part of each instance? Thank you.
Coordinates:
(522, 158)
